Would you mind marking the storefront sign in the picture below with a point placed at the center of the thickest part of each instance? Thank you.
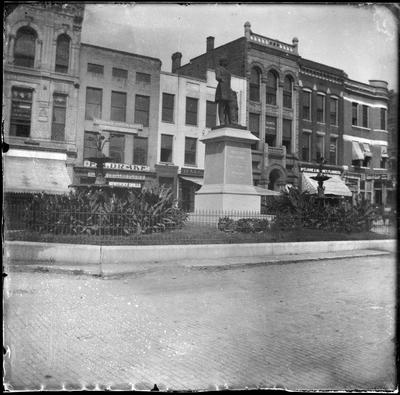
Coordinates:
(125, 184)
(118, 166)
(316, 170)
(127, 176)
(192, 172)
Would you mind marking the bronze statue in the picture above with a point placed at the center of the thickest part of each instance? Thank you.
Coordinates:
(225, 97)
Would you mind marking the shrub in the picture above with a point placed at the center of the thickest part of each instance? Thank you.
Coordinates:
(243, 225)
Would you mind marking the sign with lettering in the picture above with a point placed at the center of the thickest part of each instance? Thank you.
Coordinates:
(125, 184)
(316, 170)
(192, 172)
(118, 166)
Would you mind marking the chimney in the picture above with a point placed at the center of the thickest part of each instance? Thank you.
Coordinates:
(176, 61)
(210, 43)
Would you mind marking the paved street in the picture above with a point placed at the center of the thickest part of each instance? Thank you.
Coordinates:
(309, 325)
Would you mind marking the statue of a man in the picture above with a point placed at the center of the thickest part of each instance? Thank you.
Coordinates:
(224, 96)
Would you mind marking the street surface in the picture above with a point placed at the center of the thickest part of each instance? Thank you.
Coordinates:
(309, 325)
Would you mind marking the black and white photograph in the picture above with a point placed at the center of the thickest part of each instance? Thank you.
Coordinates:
(199, 196)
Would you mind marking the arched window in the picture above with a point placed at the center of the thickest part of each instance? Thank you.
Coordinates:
(255, 84)
(24, 49)
(271, 87)
(62, 54)
(287, 92)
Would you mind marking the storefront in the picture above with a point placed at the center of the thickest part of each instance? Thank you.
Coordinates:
(190, 181)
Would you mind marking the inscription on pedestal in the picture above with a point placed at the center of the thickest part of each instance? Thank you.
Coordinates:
(237, 165)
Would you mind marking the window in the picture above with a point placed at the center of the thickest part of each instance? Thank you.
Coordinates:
(383, 163)
(383, 119)
(333, 111)
(191, 111)
(24, 47)
(320, 147)
(140, 146)
(271, 88)
(270, 131)
(93, 103)
(166, 148)
(167, 107)
(354, 114)
(287, 92)
(117, 148)
(287, 134)
(364, 116)
(365, 148)
(118, 106)
(306, 105)
(143, 77)
(190, 151)
(211, 114)
(254, 84)
(320, 108)
(119, 73)
(333, 150)
(166, 182)
(58, 122)
(254, 126)
(21, 109)
(142, 109)
(95, 68)
(305, 145)
(90, 145)
(62, 54)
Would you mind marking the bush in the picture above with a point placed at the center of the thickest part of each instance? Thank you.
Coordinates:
(102, 211)
(243, 225)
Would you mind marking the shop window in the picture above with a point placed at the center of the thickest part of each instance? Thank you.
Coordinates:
(166, 182)
(62, 53)
(90, 145)
(191, 111)
(333, 151)
(140, 147)
(306, 105)
(25, 47)
(383, 119)
(270, 131)
(190, 151)
(305, 147)
(356, 162)
(320, 108)
(143, 78)
(167, 107)
(142, 109)
(287, 92)
(254, 127)
(118, 106)
(255, 84)
(166, 148)
(211, 114)
(354, 114)
(59, 116)
(97, 69)
(320, 147)
(119, 73)
(117, 148)
(21, 109)
(287, 134)
(271, 87)
(333, 111)
(365, 111)
(93, 103)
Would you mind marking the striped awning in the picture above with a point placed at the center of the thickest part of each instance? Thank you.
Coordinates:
(357, 152)
(334, 186)
(195, 180)
(366, 149)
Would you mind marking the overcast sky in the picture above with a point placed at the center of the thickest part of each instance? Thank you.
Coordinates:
(361, 40)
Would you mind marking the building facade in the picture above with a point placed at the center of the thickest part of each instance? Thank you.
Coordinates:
(40, 96)
(119, 98)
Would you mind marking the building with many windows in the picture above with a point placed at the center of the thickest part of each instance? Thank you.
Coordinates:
(119, 98)
(40, 96)
(187, 113)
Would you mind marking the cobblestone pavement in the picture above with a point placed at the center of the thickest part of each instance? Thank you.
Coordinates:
(309, 325)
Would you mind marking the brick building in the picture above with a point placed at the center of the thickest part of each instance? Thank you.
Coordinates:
(40, 96)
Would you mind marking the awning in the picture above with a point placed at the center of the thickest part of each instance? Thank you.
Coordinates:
(384, 153)
(357, 153)
(266, 192)
(198, 181)
(366, 150)
(334, 186)
(35, 175)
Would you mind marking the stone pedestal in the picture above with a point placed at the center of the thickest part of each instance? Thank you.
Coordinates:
(228, 176)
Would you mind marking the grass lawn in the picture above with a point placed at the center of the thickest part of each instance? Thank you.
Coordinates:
(197, 234)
